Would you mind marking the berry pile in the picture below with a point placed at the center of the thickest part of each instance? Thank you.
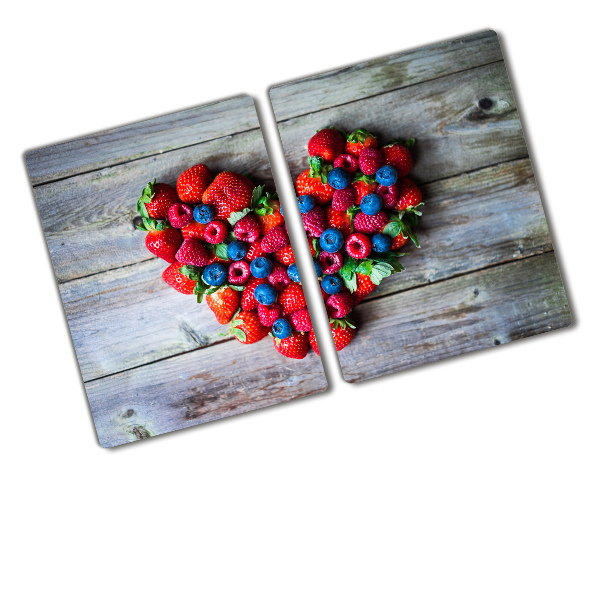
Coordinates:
(358, 208)
(225, 239)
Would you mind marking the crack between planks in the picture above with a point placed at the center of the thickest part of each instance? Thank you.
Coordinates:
(402, 87)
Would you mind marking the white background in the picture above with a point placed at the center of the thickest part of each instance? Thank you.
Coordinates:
(473, 478)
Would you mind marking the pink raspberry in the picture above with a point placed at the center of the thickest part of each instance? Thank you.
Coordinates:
(370, 160)
(370, 223)
(247, 229)
(267, 315)
(358, 245)
(343, 199)
(276, 239)
(389, 194)
(339, 305)
(314, 221)
(346, 162)
(215, 232)
(239, 272)
(301, 320)
(279, 278)
(180, 215)
(331, 262)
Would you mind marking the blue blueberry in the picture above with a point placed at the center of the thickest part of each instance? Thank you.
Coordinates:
(204, 213)
(265, 294)
(306, 203)
(339, 178)
(293, 273)
(332, 284)
(318, 268)
(261, 267)
(332, 240)
(215, 274)
(281, 329)
(371, 204)
(236, 250)
(387, 175)
(381, 242)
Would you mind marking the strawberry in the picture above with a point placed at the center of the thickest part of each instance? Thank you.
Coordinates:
(409, 195)
(161, 239)
(247, 328)
(343, 332)
(370, 223)
(399, 241)
(369, 160)
(285, 256)
(155, 200)
(398, 156)
(193, 252)
(267, 315)
(249, 302)
(321, 191)
(255, 251)
(292, 299)
(363, 185)
(229, 192)
(177, 280)
(223, 302)
(193, 230)
(359, 139)
(312, 340)
(270, 219)
(339, 305)
(339, 220)
(314, 221)
(326, 143)
(364, 287)
(192, 183)
(294, 346)
(276, 239)
(301, 320)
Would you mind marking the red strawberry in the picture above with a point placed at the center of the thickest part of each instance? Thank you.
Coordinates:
(301, 320)
(229, 192)
(398, 155)
(272, 217)
(155, 200)
(312, 340)
(339, 305)
(408, 194)
(247, 229)
(276, 239)
(339, 220)
(255, 251)
(249, 302)
(285, 256)
(178, 280)
(313, 186)
(362, 187)
(292, 298)
(398, 241)
(161, 240)
(370, 223)
(193, 230)
(247, 328)
(359, 139)
(294, 346)
(314, 221)
(192, 183)
(370, 160)
(224, 302)
(364, 287)
(193, 252)
(267, 315)
(343, 332)
(326, 143)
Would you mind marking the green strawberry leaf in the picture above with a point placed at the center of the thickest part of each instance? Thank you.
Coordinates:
(350, 282)
(212, 289)
(239, 334)
(359, 136)
(393, 228)
(237, 288)
(353, 211)
(146, 197)
(362, 177)
(221, 251)
(230, 237)
(348, 269)
(200, 290)
(191, 272)
(410, 142)
(365, 266)
(257, 193)
(380, 271)
(234, 217)
(317, 247)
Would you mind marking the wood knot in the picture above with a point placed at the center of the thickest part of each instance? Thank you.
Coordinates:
(486, 103)
(137, 221)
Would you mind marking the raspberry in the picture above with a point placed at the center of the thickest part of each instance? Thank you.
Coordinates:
(358, 245)
(180, 215)
(279, 278)
(301, 320)
(347, 162)
(331, 262)
(370, 160)
(343, 199)
(314, 221)
(370, 223)
(339, 305)
(276, 239)
(389, 195)
(247, 229)
(215, 232)
(239, 272)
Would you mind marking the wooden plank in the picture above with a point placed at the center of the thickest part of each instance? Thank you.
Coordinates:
(454, 135)
(472, 312)
(123, 144)
(88, 219)
(129, 317)
(197, 387)
(384, 74)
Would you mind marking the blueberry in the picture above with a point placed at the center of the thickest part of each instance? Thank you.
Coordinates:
(215, 274)
(332, 240)
(332, 284)
(281, 329)
(381, 242)
(339, 178)
(236, 250)
(371, 204)
(261, 267)
(204, 214)
(293, 274)
(306, 203)
(387, 175)
(265, 294)
(318, 268)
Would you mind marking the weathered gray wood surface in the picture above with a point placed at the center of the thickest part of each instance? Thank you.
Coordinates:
(475, 311)
(123, 144)
(128, 327)
(482, 205)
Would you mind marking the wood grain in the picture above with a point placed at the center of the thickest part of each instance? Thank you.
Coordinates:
(341, 86)
(471, 312)
(123, 144)
(88, 218)
(454, 135)
(223, 380)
